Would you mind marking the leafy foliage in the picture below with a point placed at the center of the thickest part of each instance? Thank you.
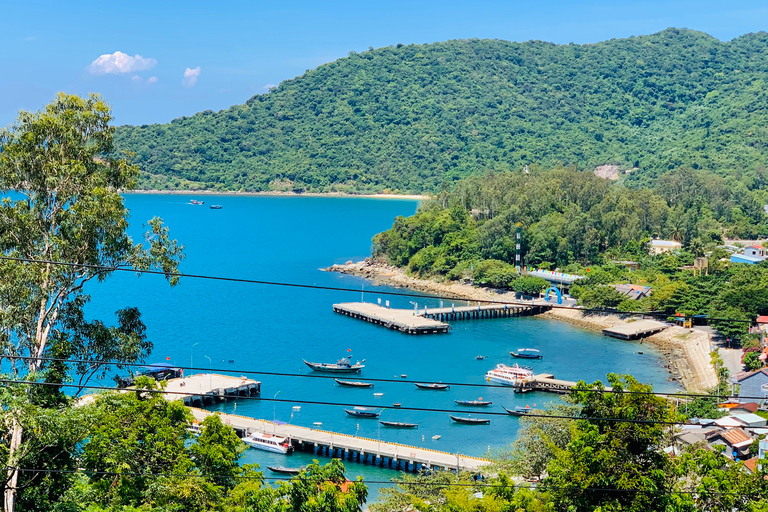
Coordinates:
(413, 118)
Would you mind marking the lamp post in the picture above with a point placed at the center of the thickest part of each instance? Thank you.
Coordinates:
(210, 375)
(191, 350)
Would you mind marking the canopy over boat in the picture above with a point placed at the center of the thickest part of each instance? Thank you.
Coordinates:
(526, 353)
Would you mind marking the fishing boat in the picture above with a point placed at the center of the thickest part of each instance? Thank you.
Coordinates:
(269, 442)
(473, 402)
(195, 201)
(356, 384)
(470, 420)
(479, 358)
(519, 410)
(509, 375)
(216, 207)
(363, 412)
(526, 353)
(284, 470)
(343, 365)
(434, 385)
(398, 424)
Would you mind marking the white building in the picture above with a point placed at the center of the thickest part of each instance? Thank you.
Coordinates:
(660, 246)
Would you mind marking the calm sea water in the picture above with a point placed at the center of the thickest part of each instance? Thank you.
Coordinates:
(268, 328)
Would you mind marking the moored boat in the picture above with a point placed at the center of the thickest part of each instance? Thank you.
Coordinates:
(473, 402)
(216, 207)
(363, 412)
(398, 424)
(269, 442)
(509, 375)
(519, 410)
(356, 384)
(526, 353)
(284, 470)
(433, 385)
(470, 420)
(343, 365)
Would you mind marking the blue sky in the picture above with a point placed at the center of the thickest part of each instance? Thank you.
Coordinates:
(178, 58)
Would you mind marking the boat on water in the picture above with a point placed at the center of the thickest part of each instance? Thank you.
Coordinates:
(356, 384)
(509, 375)
(519, 410)
(433, 385)
(363, 412)
(398, 424)
(269, 443)
(479, 358)
(470, 420)
(216, 207)
(473, 402)
(343, 365)
(195, 201)
(526, 353)
(284, 470)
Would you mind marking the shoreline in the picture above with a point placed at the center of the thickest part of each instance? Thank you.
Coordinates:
(685, 352)
(419, 197)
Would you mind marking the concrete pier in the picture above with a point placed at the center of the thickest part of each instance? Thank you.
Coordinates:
(353, 448)
(547, 382)
(635, 330)
(210, 388)
(403, 320)
(483, 311)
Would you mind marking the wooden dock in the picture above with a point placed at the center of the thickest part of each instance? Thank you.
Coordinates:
(635, 330)
(483, 311)
(210, 388)
(403, 320)
(353, 448)
(547, 382)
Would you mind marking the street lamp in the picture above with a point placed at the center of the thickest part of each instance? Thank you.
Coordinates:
(210, 375)
(191, 350)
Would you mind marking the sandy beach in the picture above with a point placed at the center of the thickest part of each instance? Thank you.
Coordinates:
(274, 193)
(686, 351)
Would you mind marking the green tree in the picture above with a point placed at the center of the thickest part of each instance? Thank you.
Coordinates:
(752, 361)
(529, 285)
(66, 208)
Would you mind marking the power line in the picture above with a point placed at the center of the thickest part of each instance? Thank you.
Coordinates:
(346, 404)
(397, 381)
(398, 482)
(340, 289)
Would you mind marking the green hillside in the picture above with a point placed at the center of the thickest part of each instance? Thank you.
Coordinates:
(417, 117)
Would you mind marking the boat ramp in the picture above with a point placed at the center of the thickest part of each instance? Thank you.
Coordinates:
(353, 448)
(430, 321)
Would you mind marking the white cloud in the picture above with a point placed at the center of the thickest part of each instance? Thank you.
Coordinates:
(268, 87)
(119, 62)
(135, 78)
(151, 79)
(190, 77)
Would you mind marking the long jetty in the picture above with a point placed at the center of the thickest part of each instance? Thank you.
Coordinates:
(353, 448)
(482, 311)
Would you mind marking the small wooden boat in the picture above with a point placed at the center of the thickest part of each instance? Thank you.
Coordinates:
(396, 404)
(434, 385)
(341, 366)
(526, 353)
(284, 470)
(398, 424)
(352, 384)
(216, 207)
(470, 420)
(363, 412)
(473, 402)
(518, 410)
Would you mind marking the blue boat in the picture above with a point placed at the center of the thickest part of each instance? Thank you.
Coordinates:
(526, 353)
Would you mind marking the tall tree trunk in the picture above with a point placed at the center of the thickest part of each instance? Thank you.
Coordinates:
(9, 497)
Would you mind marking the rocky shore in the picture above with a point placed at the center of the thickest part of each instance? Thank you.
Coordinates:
(686, 351)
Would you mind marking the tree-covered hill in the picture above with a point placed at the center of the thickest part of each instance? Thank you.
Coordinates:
(413, 118)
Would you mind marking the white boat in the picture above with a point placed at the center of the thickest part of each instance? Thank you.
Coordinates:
(269, 442)
(509, 375)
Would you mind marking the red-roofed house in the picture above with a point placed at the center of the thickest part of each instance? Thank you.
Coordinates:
(736, 441)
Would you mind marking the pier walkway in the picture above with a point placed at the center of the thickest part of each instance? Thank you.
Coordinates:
(402, 320)
(483, 311)
(353, 448)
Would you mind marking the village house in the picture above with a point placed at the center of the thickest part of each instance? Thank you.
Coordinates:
(752, 254)
(661, 246)
(754, 385)
(735, 440)
(633, 291)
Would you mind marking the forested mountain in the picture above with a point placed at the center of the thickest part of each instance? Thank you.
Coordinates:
(413, 118)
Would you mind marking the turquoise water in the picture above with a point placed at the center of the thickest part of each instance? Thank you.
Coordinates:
(268, 328)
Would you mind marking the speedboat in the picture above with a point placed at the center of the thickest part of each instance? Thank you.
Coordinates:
(434, 385)
(509, 375)
(519, 410)
(343, 365)
(352, 384)
(363, 412)
(284, 470)
(526, 353)
(470, 420)
(473, 402)
(398, 424)
(269, 442)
